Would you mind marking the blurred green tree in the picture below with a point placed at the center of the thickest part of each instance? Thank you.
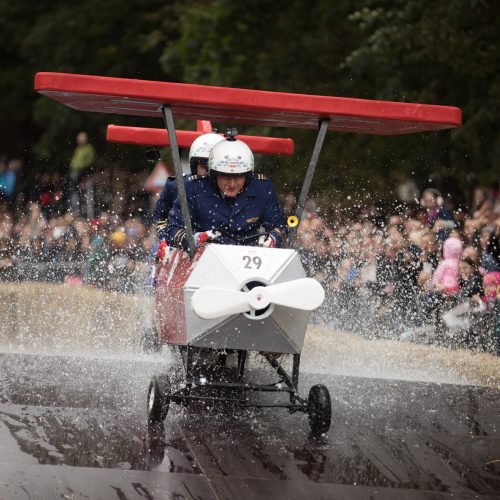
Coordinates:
(405, 50)
(441, 53)
(111, 38)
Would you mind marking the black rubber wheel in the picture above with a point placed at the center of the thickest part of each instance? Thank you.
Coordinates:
(158, 398)
(319, 409)
(154, 443)
(150, 343)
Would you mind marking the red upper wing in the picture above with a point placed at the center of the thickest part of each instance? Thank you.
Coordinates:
(231, 105)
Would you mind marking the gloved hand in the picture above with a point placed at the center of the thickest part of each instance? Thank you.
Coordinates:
(205, 237)
(163, 253)
(268, 241)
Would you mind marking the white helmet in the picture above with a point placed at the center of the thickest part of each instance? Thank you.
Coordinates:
(231, 157)
(201, 148)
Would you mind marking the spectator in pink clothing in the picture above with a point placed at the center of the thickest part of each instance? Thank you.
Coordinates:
(445, 277)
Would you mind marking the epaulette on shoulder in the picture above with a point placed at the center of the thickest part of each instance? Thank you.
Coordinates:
(195, 177)
(171, 178)
(260, 177)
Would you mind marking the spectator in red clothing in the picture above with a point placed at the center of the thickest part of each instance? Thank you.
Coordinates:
(491, 286)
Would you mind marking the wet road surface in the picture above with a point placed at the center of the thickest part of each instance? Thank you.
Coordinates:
(75, 427)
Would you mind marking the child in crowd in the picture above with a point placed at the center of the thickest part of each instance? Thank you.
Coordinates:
(445, 277)
(445, 280)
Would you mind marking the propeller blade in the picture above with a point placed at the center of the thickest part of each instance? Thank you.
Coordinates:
(305, 294)
(211, 303)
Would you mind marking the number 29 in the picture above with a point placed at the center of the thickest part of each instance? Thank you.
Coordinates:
(252, 263)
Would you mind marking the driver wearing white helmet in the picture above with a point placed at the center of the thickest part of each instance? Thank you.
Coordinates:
(232, 204)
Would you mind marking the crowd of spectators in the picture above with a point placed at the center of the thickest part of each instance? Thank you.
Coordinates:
(424, 270)
(103, 237)
(104, 251)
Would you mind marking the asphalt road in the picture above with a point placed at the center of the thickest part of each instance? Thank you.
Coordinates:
(74, 427)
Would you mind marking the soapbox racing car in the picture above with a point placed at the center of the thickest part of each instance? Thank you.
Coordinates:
(224, 301)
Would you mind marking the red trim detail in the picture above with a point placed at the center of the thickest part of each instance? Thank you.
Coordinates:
(204, 126)
(232, 105)
(170, 309)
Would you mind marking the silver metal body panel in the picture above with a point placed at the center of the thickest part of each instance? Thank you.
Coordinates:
(231, 267)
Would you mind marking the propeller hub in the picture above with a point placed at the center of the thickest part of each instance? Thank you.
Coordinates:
(258, 299)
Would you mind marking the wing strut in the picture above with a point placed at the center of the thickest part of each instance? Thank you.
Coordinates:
(181, 188)
(313, 162)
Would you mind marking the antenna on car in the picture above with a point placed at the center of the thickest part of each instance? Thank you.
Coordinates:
(231, 133)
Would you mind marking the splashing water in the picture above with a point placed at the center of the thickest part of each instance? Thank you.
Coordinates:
(339, 353)
(84, 321)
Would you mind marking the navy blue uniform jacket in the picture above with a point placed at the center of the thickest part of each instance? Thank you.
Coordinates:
(240, 216)
(164, 204)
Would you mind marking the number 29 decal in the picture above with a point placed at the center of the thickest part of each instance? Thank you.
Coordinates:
(252, 262)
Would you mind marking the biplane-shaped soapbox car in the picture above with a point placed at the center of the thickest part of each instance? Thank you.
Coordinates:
(239, 298)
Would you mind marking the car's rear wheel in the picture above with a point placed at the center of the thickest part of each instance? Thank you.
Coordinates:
(319, 409)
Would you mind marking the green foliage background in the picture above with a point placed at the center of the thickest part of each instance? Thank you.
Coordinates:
(433, 52)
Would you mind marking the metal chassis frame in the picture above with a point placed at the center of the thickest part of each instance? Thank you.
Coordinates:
(287, 384)
(290, 382)
(311, 169)
(181, 188)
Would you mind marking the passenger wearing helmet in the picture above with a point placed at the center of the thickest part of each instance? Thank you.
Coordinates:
(230, 204)
(198, 159)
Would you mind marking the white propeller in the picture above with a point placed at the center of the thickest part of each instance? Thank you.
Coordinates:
(305, 294)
